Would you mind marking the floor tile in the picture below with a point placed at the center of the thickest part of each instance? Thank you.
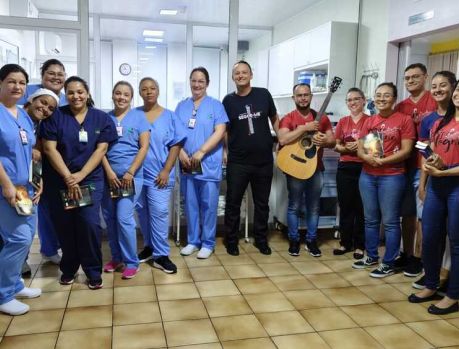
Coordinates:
(383, 293)
(439, 332)
(398, 278)
(217, 288)
(140, 336)
(277, 269)
(94, 338)
(454, 322)
(244, 271)
(134, 294)
(49, 300)
(255, 285)
(184, 309)
(349, 339)
(89, 298)
(144, 277)
(397, 335)
(162, 278)
(189, 332)
(49, 284)
(282, 323)
(201, 346)
(405, 287)
(256, 343)
(87, 317)
(292, 282)
(238, 327)
(339, 266)
(177, 291)
(307, 299)
(268, 302)
(36, 322)
(226, 259)
(307, 340)
(347, 296)
(370, 315)
(307, 268)
(4, 323)
(329, 280)
(408, 312)
(48, 271)
(360, 278)
(325, 319)
(193, 262)
(227, 305)
(35, 341)
(136, 313)
(209, 273)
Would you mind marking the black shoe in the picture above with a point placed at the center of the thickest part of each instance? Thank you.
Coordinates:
(232, 249)
(313, 249)
(294, 248)
(26, 271)
(443, 288)
(66, 280)
(165, 264)
(401, 262)
(263, 247)
(443, 311)
(420, 284)
(95, 284)
(145, 255)
(365, 263)
(383, 271)
(412, 298)
(340, 252)
(358, 255)
(414, 267)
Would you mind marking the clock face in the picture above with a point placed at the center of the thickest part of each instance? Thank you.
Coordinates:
(125, 69)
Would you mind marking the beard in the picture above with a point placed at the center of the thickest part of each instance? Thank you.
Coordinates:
(302, 108)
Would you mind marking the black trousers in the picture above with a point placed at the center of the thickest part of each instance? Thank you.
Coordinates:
(238, 177)
(351, 218)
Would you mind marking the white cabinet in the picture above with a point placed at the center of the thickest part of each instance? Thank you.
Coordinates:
(312, 47)
(281, 69)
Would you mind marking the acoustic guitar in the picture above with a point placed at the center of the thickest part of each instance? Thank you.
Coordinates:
(299, 158)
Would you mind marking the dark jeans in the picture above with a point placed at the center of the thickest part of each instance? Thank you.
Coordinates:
(238, 177)
(441, 209)
(351, 219)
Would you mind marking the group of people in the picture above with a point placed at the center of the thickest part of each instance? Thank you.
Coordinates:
(123, 162)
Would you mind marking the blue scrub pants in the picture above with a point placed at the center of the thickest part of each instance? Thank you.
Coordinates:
(441, 210)
(79, 234)
(121, 225)
(201, 203)
(16, 233)
(49, 244)
(153, 211)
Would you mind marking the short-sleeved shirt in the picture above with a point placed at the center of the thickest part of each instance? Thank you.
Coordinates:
(15, 156)
(63, 128)
(446, 142)
(249, 135)
(31, 88)
(209, 114)
(122, 152)
(394, 129)
(165, 132)
(426, 125)
(293, 119)
(348, 131)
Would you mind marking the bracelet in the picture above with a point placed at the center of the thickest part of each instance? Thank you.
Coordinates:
(130, 173)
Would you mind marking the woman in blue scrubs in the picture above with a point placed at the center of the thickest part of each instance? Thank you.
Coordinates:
(75, 140)
(205, 120)
(166, 139)
(123, 169)
(16, 231)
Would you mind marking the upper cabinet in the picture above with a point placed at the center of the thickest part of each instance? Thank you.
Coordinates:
(281, 68)
(312, 47)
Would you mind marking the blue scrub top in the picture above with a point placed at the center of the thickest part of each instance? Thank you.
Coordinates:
(16, 157)
(165, 132)
(209, 114)
(122, 153)
(63, 128)
(32, 88)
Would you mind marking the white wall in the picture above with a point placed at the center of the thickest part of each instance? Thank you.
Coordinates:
(208, 58)
(107, 75)
(258, 58)
(125, 51)
(177, 82)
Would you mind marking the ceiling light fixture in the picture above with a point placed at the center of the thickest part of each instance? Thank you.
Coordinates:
(153, 40)
(150, 47)
(153, 32)
(166, 12)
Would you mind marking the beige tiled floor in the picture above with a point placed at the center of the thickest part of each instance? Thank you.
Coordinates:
(251, 301)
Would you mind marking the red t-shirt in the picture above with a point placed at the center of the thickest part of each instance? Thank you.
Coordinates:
(348, 131)
(293, 119)
(418, 111)
(396, 127)
(446, 142)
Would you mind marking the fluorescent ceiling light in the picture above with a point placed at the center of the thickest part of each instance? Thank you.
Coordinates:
(143, 59)
(150, 47)
(153, 32)
(166, 12)
(153, 40)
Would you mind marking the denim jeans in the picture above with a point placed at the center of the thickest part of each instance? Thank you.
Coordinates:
(382, 198)
(298, 188)
(441, 210)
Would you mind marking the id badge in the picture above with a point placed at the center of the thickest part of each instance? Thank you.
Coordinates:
(83, 136)
(119, 130)
(192, 123)
(23, 135)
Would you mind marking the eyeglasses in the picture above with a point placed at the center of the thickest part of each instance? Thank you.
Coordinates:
(356, 99)
(303, 95)
(414, 77)
(54, 74)
(383, 96)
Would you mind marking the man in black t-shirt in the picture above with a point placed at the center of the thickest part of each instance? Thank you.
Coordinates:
(250, 156)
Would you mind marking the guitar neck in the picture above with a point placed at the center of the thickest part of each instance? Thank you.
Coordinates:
(324, 106)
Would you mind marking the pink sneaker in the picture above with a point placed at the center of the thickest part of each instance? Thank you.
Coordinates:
(112, 266)
(129, 273)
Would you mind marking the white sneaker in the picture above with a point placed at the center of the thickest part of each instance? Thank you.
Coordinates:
(28, 292)
(188, 250)
(55, 259)
(204, 253)
(14, 307)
